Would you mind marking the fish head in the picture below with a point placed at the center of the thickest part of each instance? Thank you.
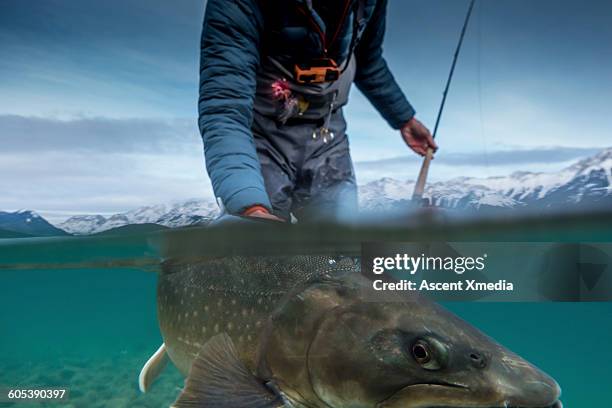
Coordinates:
(412, 353)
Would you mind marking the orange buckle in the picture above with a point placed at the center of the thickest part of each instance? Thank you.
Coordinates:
(317, 72)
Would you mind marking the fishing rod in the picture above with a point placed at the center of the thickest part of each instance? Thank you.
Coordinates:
(419, 188)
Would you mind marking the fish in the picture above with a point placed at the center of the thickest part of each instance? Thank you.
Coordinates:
(311, 332)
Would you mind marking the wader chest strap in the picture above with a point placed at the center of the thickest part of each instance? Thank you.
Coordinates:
(359, 25)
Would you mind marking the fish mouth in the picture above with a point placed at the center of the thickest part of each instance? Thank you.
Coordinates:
(454, 391)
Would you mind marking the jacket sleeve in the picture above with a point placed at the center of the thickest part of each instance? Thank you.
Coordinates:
(229, 57)
(373, 76)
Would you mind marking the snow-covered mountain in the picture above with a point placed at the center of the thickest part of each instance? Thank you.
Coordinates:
(170, 215)
(588, 181)
(28, 223)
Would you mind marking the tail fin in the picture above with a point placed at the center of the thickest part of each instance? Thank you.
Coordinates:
(152, 368)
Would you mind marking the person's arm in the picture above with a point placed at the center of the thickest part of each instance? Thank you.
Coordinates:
(229, 58)
(373, 76)
(375, 80)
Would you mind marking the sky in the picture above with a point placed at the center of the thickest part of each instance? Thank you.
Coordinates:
(98, 100)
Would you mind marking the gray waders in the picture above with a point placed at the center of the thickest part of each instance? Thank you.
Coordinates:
(303, 147)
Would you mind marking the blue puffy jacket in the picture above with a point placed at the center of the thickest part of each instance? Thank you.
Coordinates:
(235, 36)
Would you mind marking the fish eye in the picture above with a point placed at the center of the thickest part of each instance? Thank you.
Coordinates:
(430, 353)
(421, 352)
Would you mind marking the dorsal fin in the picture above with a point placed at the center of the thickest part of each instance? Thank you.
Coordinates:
(219, 379)
(152, 368)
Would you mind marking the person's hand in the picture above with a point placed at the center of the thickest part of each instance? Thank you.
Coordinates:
(259, 211)
(418, 137)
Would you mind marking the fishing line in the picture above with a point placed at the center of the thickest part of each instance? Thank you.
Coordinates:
(483, 137)
(453, 65)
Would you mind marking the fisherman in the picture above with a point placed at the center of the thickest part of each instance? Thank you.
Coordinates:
(274, 77)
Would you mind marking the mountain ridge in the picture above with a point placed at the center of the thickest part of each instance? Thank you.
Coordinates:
(28, 223)
(587, 181)
(180, 214)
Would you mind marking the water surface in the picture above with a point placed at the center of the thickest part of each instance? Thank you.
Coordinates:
(81, 313)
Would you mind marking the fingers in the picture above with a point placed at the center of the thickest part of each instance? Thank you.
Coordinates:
(417, 144)
(423, 133)
(418, 137)
(430, 140)
(267, 216)
(417, 147)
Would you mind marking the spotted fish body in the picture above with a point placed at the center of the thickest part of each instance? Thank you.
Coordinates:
(311, 332)
(200, 299)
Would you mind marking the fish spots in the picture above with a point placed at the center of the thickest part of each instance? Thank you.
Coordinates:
(216, 327)
(244, 312)
(195, 313)
(230, 326)
(203, 330)
(206, 308)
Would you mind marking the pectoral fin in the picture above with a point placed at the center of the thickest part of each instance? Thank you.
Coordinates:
(219, 379)
(152, 368)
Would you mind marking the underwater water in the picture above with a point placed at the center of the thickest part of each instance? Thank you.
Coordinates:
(91, 329)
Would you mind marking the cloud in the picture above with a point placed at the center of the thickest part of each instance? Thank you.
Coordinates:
(84, 182)
(98, 165)
(542, 155)
(97, 135)
(102, 165)
(448, 165)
